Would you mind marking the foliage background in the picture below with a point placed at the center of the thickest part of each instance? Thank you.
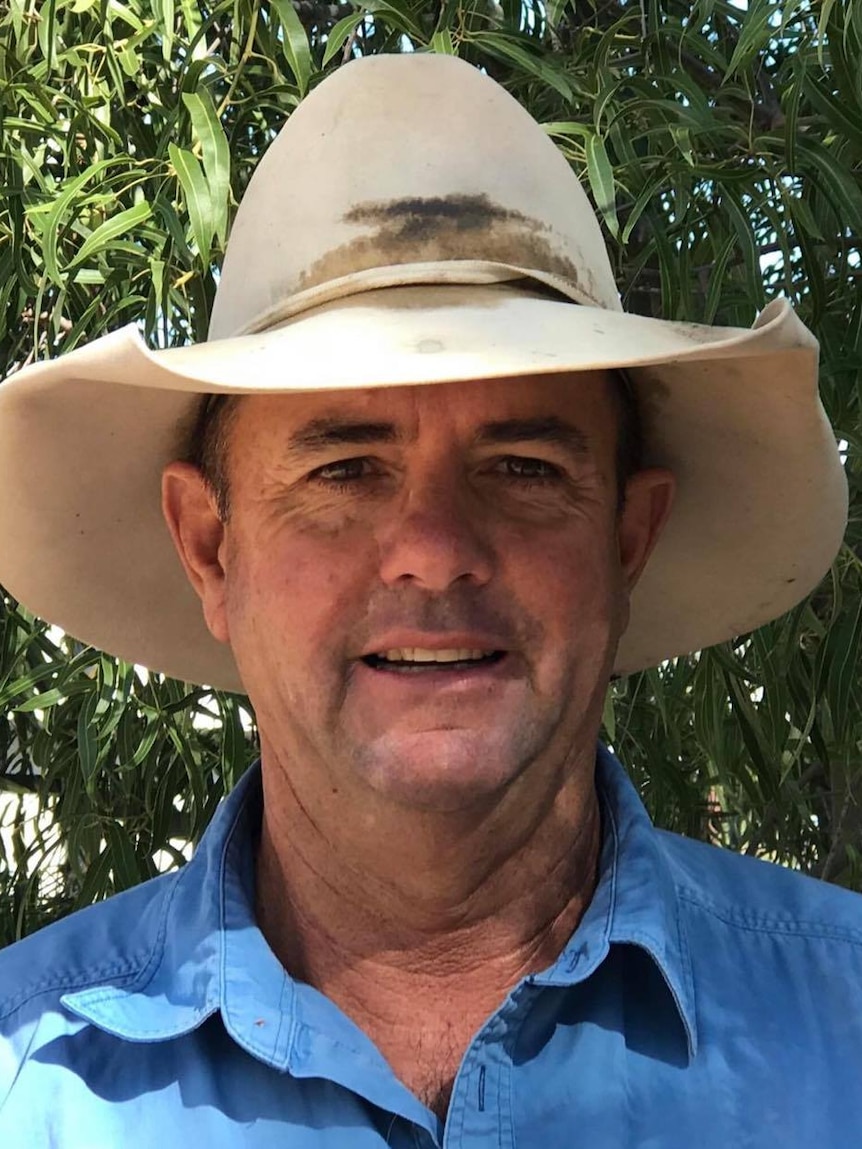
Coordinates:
(722, 145)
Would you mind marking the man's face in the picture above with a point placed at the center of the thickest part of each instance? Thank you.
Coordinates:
(424, 587)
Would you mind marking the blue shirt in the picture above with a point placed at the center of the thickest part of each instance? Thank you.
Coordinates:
(705, 1000)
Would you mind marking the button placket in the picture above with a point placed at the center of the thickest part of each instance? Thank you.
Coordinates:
(480, 1112)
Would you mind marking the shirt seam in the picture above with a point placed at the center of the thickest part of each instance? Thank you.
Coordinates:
(268, 1052)
(654, 945)
(128, 972)
(157, 952)
(612, 896)
(118, 971)
(796, 927)
(690, 1015)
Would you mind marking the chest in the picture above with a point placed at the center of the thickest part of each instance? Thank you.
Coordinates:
(426, 1060)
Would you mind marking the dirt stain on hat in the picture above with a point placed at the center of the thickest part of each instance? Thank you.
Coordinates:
(445, 229)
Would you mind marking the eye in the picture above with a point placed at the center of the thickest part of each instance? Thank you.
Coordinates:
(343, 473)
(528, 470)
(340, 471)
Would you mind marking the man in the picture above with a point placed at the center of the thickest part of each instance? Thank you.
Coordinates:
(435, 914)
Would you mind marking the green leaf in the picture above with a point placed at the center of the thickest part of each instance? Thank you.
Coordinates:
(130, 61)
(840, 115)
(41, 701)
(296, 48)
(837, 181)
(193, 182)
(25, 683)
(234, 742)
(747, 248)
(753, 38)
(555, 10)
(843, 659)
(105, 233)
(398, 16)
(216, 155)
(569, 128)
(127, 15)
(509, 49)
(123, 860)
(826, 7)
(88, 745)
(442, 43)
(59, 208)
(341, 32)
(717, 281)
(609, 719)
(601, 177)
(165, 12)
(646, 196)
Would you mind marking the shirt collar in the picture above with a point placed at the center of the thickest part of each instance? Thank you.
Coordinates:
(635, 901)
(182, 982)
(207, 954)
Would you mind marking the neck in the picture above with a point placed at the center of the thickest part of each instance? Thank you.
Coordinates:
(392, 911)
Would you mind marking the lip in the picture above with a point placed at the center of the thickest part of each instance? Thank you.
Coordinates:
(456, 640)
(441, 680)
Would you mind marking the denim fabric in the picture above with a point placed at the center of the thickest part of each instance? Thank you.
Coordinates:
(706, 1001)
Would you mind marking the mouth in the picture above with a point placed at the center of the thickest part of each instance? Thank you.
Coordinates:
(416, 660)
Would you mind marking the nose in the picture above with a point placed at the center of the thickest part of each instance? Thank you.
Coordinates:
(435, 538)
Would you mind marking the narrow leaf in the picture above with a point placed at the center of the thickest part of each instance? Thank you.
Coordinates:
(216, 154)
(88, 746)
(512, 52)
(51, 230)
(194, 185)
(341, 32)
(601, 177)
(844, 644)
(296, 48)
(441, 42)
(609, 720)
(124, 863)
(122, 222)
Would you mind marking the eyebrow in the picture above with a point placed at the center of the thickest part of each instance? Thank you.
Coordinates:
(543, 429)
(320, 434)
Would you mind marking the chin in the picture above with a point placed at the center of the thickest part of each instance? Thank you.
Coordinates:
(440, 770)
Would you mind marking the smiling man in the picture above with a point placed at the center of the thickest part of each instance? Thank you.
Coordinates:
(423, 491)
(441, 692)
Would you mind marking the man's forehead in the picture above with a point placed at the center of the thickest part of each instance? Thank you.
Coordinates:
(406, 409)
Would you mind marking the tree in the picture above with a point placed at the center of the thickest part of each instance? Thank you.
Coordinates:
(722, 146)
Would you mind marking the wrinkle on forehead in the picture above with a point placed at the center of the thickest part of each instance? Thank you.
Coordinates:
(479, 400)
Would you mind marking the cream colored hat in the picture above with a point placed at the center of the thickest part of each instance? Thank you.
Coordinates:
(396, 233)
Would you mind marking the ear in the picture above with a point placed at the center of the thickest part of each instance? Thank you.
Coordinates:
(192, 516)
(648, 502)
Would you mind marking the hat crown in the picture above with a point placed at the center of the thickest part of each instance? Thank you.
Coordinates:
(418, 164)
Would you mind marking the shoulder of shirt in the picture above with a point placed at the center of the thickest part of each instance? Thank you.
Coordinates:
(110, 943)
(754, 894)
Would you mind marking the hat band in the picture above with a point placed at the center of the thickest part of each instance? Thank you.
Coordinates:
(458, 271)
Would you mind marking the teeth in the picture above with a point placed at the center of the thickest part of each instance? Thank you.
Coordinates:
(417, 654)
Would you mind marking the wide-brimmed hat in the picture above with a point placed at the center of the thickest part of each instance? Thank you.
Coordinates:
(412, 224)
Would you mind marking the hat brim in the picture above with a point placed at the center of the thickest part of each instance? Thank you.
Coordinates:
(759, 515)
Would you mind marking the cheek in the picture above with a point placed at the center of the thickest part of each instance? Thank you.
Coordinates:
(576, 562)
(572, 583)
(295, 587)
